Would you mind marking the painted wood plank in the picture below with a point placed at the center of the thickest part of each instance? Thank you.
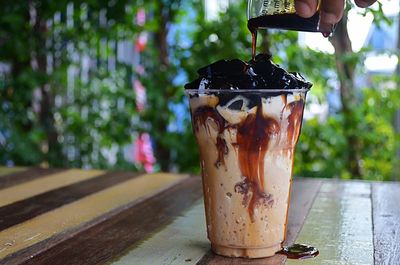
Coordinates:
(340, 225)
(24, 210)
(10, 170)
(122, 231)
(76, 214)
(24, 175)
(42, 185)
(182, 242)
(303, 192)
(386, 216)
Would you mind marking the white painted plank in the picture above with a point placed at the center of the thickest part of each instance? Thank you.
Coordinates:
(340, 225)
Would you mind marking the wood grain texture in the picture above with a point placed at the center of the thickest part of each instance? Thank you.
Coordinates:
(340, 225)
(21, 211)
(19, 242)
(19, 175)
(188, 234)
(41, 185)
(303, 193)
(386, 218)
(117, 234)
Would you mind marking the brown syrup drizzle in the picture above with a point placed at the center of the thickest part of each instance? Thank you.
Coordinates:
(253, 137)
(295, 120)
(200, 116)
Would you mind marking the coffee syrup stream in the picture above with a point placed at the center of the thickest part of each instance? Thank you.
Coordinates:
(295, 251)
(253, 43)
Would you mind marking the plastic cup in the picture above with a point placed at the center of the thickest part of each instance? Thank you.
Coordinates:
(247, 139)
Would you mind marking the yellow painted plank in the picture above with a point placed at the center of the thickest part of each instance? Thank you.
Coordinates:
(74, 214)
(189, 237)
(340, 225)
(9, 170)
(51, 182)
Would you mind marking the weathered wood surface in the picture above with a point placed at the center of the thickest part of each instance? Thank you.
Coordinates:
(103, 242)
(184, 241)
(96, 217)
(340, 225)
(386, 216)
(14, 176)
(4, 171)
(44, 184)
(29, 208)
(23, 241)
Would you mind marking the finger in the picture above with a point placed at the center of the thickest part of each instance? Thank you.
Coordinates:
(331, 12)
(306, 8)
(364, 3)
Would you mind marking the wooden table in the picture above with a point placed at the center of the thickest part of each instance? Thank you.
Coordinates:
(50, 216)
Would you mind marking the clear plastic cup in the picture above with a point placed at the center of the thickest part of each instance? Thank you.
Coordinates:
(247, 140)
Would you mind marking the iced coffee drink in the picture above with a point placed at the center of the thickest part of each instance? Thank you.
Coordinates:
(247, 119)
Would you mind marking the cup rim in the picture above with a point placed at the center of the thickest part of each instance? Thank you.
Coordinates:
(250, 90)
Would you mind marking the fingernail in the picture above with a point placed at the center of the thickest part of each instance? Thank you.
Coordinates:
(326, 29)
(303, 9)
(329, 18)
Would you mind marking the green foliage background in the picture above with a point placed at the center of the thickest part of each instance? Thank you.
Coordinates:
(101, 114)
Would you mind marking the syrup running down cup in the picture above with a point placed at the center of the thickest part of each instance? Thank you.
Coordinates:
(247, 140)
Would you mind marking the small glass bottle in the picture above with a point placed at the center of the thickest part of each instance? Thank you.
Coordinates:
(281, 14)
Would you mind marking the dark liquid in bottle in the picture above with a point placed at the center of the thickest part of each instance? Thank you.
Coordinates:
(285, 21)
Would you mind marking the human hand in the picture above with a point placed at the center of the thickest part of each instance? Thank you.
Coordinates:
(331, 11)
